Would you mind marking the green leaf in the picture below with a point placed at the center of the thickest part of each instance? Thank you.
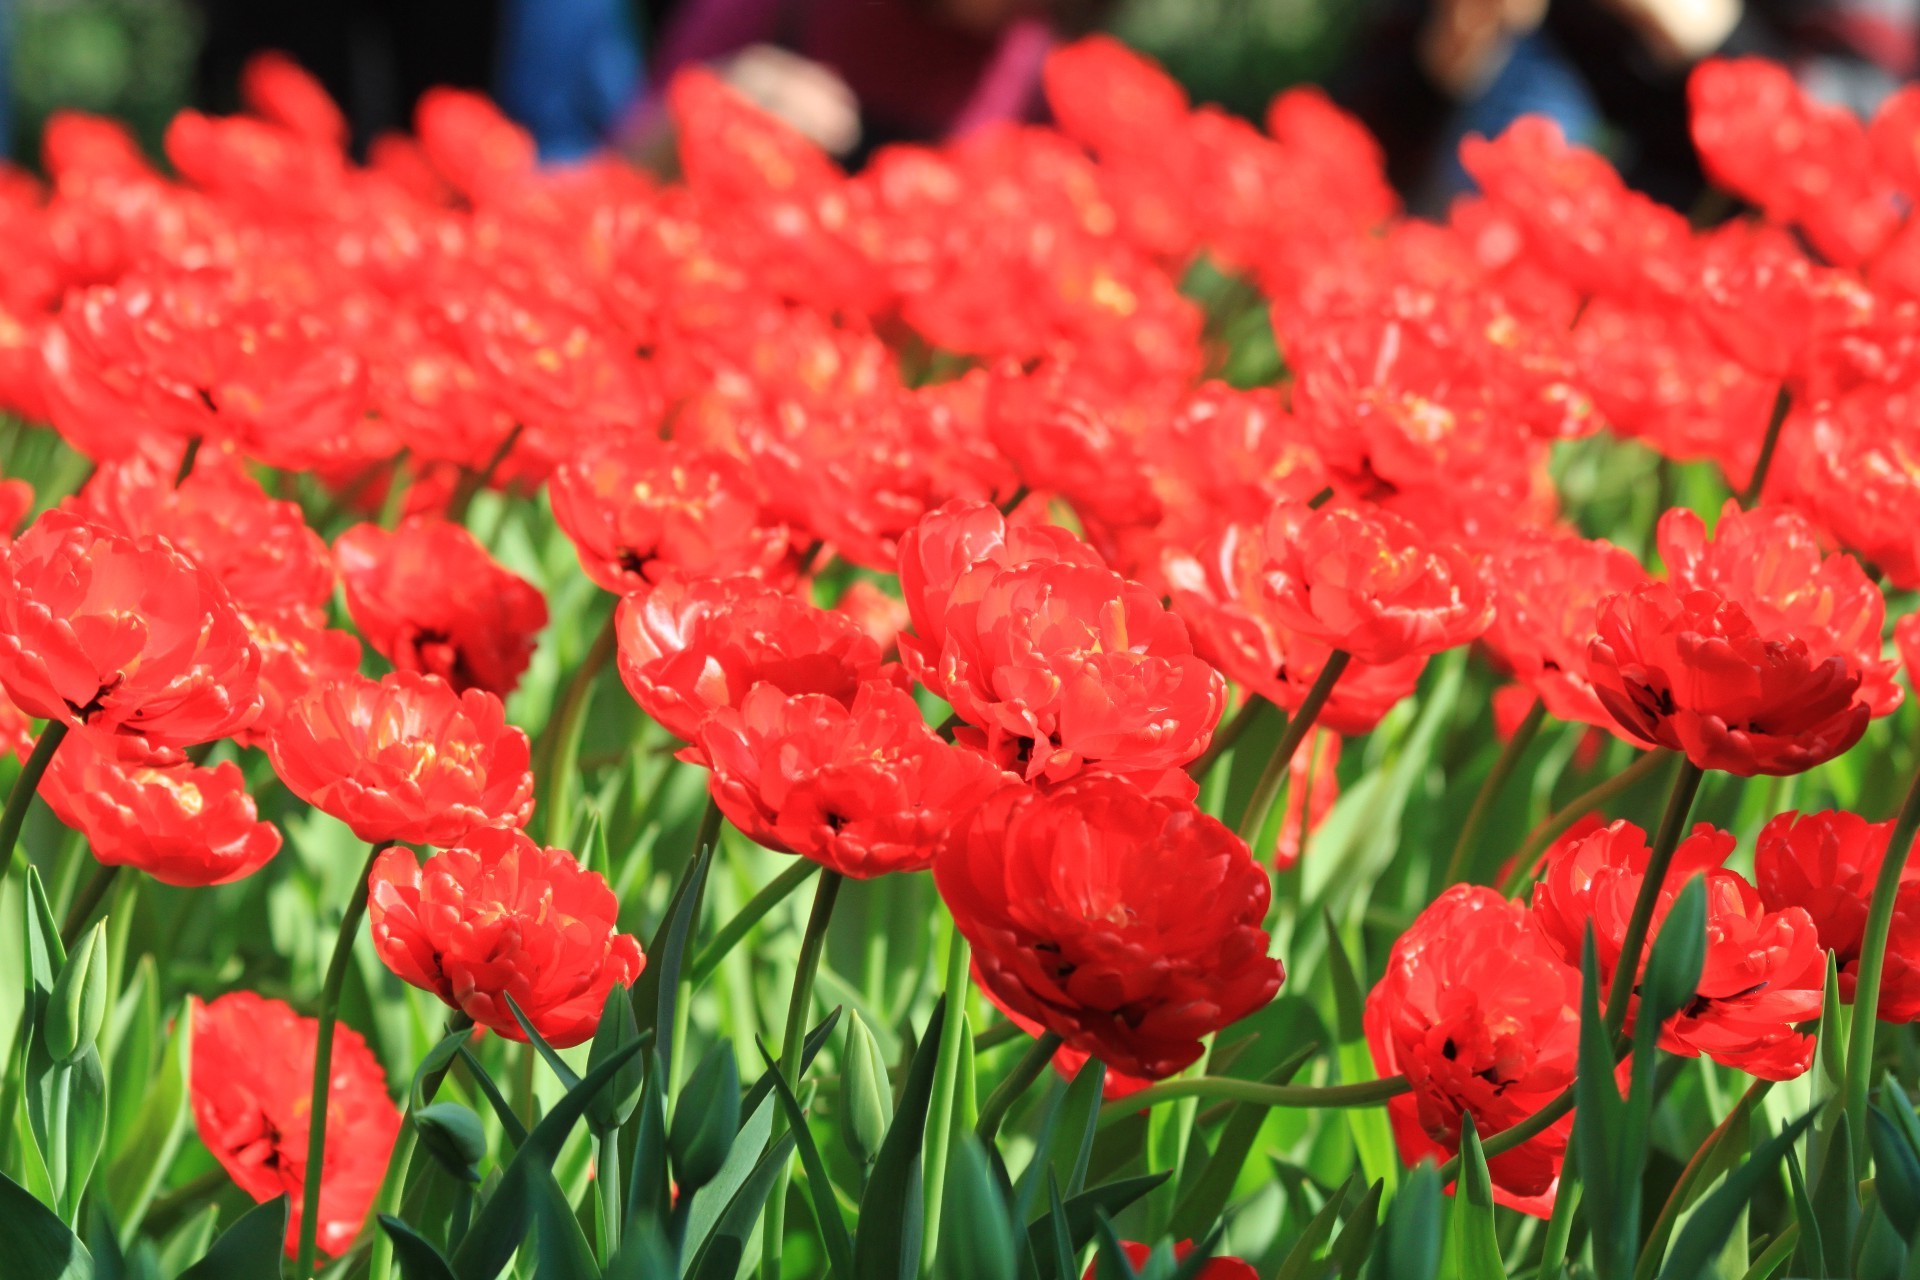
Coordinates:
(1351, 1250)
(1112, 1262)
(976, 1238)
(1207, 1198)
(1608, 1172)
(1372, 1135)
(1084, 1211)
(1059, 1262)
(1836, 1202)
(496, 1231)
(1476, 1245)
(1413, 1233)
(249, 1249)
(159, 1127)
(503, 1110)
(1676, 958)
(1896, 1166)
(719, 1258)
(649, 1177)
(1080, 1125)
(418, 1259)
(892, 1212)
(706, 1116)
(77, 1008)
(711, 1200)
(35, 1241)
(866, 1094)
(1811, 1253)
(826, 1212)
(568, 1077)
(86, 1124)
(560, 1248)
(616, 1029)
(657, 990)
(1696, 1249)
(1300, 1259)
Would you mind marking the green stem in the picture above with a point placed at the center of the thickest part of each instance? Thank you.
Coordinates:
(1038, 1055)
(748, 916)
(554, 751)
(799, 1007)
(472, 482)
(1873, 958)
(91, 894)
(1496, 780)
(1782, 402)
(607, 1175)
(20, 799)
(323, 1063)
(1673, 824)
(380, 1252)
(1551, 828)
(946, 1092)
(1267, 789)
(1681, 1197)
(1227, 734)
(1364, 1093)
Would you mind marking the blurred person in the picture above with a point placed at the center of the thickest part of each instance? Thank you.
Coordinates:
(855, 75)
(1612, 73)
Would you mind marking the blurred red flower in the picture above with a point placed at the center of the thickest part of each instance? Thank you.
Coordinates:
(1065, 896)
(862, 789)
(123, 636)
(495, 916)
(252, 1079)
(429, 598)
(1216, 1269)
(404, 758)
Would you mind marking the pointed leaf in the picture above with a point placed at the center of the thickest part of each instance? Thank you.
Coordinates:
(249, 1249)
(1413, 1233)
(719, 1258)
(1476, 1244)
(892, 1212)
(418, 1259)
(1697, 1248)
(977, 1239)
(35, 1241)
(826, 1211)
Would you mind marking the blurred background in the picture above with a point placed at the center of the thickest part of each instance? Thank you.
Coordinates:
(858, 74)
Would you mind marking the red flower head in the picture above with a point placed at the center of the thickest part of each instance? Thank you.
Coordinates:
(179, 822)
(1906, 638)
(16, 500)
(1769, 562)
(1693, 672)
(1827, 864)
(405, 758)
(252, 1076)
(1763, 970)
(1367, 582)
(1224, 595)
(1482, 1018)
(863, 790)
(260, 548)
(297, 652)
(1216, 1268)
(124, 636)
(277, 88)
(640, 512)
(1547, 589)
(495, 916)
(1068, 899)
(429, 598)
(689, 647)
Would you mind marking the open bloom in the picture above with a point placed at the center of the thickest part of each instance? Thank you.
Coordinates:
(1693, 671)
(1369, 583)
(179, 822)
(690, 646)
(495, 916)
(123, 636)
(252, 1081)
(1481, 1016)
(429, 598)
(864, 790)
(1827, 864)
(405, 758)
(1763, 970)
(1130, 925)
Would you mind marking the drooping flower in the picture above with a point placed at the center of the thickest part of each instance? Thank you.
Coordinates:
(689, 647)
(181, 823)
(251, 1084)
(1482, 1018)
(1763, 970)
(1827, 864)
(495, 916)
(122, 636)
(1693, 672)
(1368, 583)
(862, 789)
(405, 758)
(1129, 925)
(429, 598)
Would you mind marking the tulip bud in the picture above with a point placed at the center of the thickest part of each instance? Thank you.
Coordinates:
(616, 1101)
(78, 1005)
(706, 1119)
(453, 1135)
(866, 1095)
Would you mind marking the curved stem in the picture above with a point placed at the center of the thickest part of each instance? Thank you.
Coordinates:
(1227, 734)
(776, 892)
(1873, 958)
(1490, 789)
(1267, 789)
(1036, 1059)
(1364, 1093)
(20, 799)
(323, 1064)
(91, 894)
(1782, 402)
(1673, 824)
(1579, 807)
